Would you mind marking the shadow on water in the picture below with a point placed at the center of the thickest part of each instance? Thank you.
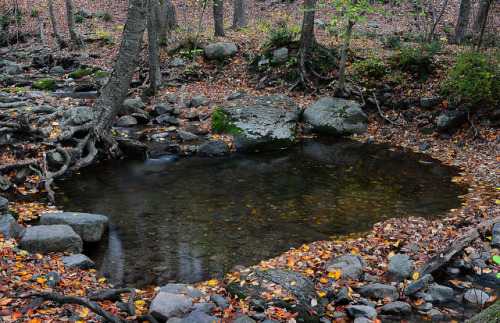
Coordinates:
(192, 219)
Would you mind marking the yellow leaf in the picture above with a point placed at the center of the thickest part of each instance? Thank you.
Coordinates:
(293, 283)
(40, 280)
(212, 282)
(139, 303)
(391, 254)
(331, 274)
(337, 274)
(415, 276)
(497, 201)
(323, 281)
(321, 294)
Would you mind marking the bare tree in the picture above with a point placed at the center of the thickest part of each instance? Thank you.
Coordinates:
(73, 32)
(239, 16)
(155, 78)
(59, 39)
(218, 7)
(463, 22)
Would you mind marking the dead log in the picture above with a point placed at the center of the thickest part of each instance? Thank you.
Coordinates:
(443, 257)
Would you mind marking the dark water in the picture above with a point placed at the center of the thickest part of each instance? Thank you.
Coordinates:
(191, 219)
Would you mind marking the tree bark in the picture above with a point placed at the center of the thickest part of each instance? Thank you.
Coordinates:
(239, 16)
(481, 14)
(218, 7)
(343, 57)
(154, 63)
(485, 19)
(73, 32)
(171, 13)
(463, 22)
(166, 18)
(53, 21)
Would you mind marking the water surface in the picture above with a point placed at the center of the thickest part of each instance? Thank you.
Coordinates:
(191, 219)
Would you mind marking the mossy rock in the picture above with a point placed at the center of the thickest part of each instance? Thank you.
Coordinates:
(222, 122)
(45, 84)
(488, 315)
(100, 74)
(78, 74)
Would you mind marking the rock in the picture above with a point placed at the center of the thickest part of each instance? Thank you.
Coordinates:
(343, 297)
(396, 308)
(125, 121)
(79, 261)
(77, 116)
(182, 288)
(186, 136)
(299, 286)
(4, 205)
(375, 26)
(346, 260)
(90, 227)
(163, 108)
(85, 13)
(206, 308)
(280, 55)
(244, 319)
(195, 317)
(5, 183)
(495, 236)
(336, 117)
(418, 285)
(167, 119)
(219, 51)
(196, 101)
(22, 174)
(361, 311)
(379, 291)
(440, 293)
(424, 146)
(476, 296)
(487, 315)
(430, 102)
(235, 96)
(57, 70)
(53, 279)
(131, 105)
(259, 316)
(166, 305)
(172, 98)
(55, 160)
(361, 319)
(259, 123)
(351, 272)
(176, 62)
(51, 238)
(435, 315)
(399, 268)
(495, 115)
(367, 302)
(451, 120)
(160, 136)
(14, 70)
(9, 227)
(213, 148)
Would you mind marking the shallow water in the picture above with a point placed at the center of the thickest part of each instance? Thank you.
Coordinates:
(191, 219)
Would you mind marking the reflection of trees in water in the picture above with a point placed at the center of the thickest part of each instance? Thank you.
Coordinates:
(186, 220)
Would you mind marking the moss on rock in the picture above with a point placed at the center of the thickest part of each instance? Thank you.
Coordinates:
(45, 84)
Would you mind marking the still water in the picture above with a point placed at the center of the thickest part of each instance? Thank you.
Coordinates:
(191, 219)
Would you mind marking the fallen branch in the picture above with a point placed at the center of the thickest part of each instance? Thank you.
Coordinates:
(443, 257)
(8, 167)
(382, 115)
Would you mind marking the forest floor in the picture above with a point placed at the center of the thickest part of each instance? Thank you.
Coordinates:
(477, 158)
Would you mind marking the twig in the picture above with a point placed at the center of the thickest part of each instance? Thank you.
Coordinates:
(382, 115)
(476, 132)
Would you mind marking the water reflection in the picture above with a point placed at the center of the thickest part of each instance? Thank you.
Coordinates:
(191, 219)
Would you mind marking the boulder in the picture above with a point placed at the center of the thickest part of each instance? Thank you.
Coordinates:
(280, 55)
(85, 13)
(476, 296)
(396, 308)
(430, 102)
(51, 238)
(57, 70)
(220, 301)
(195, 317)
(9, 227)
(166, 305)
(213, 148)
(130, 106)
(196, 101)
(336, 117)
(125, 121)
(259, 123)
(4, 205)
(299, 286)
(90, 227)
(350, 265)
(77, 116)
(440, 293)
(5, 183)
(79, 261)
(379, 291)
(418, 285)
(182, 288)
(399, 268)
(221, 50)
(176, 62)
(163, 108)
(361, 311)
(206, 308)
(244, 319)
(495, 236)
(186, 135)
(451, 120)
(172, 98)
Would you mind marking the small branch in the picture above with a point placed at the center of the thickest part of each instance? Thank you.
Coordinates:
(476, 132)
(17, 165)
(382, 115)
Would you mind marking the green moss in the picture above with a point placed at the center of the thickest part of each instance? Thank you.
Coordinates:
(45, 84)
(223, 123)
(100, 74)
(78, 74)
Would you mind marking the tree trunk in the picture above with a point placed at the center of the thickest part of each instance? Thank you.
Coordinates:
(463, 22)
(343, 58)
(154, 63)
(218, 6)
(171, 13)
(58, 37)
(478, 22)
(239, 16)
(73, 32)
(166, 20)
(485, 19)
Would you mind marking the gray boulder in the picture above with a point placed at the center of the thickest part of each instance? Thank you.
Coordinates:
(396, 308)
(350, 265)
(476, 296)
(495, 236)
(90, 227)
(361, 311)
(4, 205)
(77, 116)
(182, 288)
(130, 106)
(5, 183)
(57, 70)
(379, 291)
(259, 123)
(451, 119)
(172, 98)
(336, 117)
(430, 102)
(166, 305)
(195, 317)
(196, 101)
(85, 13)
(219, 51)
(125, 121)
(186, 135)
(163, 108)
(399, 268)
(79, 261)
(213, 148)
(440, 293)
(244, 319)
(9, 227)
(418, 285)
(51, 238)
(220, 301)
(176, 62)
(206, 308)
(280, 55)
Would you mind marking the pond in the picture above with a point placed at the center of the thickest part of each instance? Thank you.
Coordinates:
(191, 219)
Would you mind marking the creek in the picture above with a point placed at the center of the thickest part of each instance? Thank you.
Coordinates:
(191, 219)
